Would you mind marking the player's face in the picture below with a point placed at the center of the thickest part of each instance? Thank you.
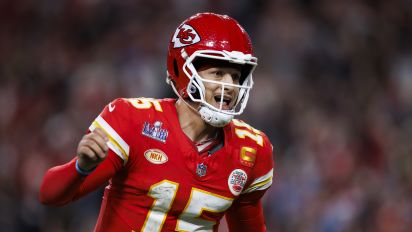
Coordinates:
(213, 91)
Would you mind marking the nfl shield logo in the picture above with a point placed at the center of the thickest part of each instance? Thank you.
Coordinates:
(201, 170)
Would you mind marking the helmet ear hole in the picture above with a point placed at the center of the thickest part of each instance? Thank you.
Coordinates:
(192, 88)
(194, 91)
(176, 68)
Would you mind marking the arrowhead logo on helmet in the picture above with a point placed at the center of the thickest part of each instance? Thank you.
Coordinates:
(185, 35)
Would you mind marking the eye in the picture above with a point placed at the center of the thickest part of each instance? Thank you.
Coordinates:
(219, 73)
(236, 77)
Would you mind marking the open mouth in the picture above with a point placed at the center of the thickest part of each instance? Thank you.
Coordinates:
(225, 103)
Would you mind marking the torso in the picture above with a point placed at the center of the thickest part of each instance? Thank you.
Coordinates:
(166, 185)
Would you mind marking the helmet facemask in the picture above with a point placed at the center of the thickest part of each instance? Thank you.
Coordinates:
(217, 116)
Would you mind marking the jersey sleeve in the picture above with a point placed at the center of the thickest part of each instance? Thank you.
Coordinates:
(246, 215)
(262, 174)
(246, 212)
(114, 121)
(63, 184)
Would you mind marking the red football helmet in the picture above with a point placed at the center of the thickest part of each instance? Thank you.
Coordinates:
(210, 36)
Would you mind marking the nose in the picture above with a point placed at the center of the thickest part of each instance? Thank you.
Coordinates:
(228, 78)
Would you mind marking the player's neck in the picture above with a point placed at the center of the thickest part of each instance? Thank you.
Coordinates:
(192, 124)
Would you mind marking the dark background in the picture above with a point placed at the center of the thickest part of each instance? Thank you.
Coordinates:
(333, 90)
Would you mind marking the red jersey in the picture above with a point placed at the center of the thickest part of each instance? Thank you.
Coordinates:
(160, 182)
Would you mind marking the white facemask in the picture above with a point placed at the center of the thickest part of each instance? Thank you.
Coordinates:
(217, 117)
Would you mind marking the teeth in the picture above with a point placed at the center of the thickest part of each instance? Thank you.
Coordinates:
(226, 100)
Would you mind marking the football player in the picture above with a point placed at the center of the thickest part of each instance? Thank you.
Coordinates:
(178, 164)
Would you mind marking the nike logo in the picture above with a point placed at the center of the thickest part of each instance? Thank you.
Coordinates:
(111, 108)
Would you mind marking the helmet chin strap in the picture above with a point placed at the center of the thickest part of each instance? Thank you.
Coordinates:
(214, 118)
(210, 116)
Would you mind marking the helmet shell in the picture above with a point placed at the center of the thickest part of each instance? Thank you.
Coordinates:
(203, 31)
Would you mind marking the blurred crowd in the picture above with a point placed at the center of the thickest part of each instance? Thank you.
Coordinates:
(333, 90)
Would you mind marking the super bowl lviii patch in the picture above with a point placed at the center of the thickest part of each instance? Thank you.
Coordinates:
(236, 181)
(155, 131)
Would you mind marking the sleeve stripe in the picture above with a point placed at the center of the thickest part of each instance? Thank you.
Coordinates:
(116, 143)
(261, 183)
(113, 145)
(259, 186)
(113, 133)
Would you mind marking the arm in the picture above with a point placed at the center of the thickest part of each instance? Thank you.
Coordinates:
(66, 183)
(246, 214)
(63, 184)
